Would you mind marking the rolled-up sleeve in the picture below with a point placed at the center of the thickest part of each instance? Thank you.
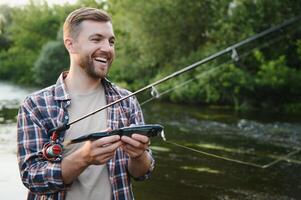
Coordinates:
(38, 175)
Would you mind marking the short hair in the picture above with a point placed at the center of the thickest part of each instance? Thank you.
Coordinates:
(75, 18)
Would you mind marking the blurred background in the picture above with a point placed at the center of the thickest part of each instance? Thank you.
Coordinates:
(247, 107)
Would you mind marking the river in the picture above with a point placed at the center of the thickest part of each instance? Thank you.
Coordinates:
(256, 137)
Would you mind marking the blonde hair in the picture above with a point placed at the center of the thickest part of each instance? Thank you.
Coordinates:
(75, 18)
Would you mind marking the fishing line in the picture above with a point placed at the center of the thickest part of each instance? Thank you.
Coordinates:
(236, 57)
(285, 158)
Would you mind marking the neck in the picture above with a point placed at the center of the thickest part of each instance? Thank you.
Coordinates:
(78, 81)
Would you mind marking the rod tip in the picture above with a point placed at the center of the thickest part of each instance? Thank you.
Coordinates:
(163, 135)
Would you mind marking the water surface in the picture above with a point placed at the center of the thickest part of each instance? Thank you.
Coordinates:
(257, 137)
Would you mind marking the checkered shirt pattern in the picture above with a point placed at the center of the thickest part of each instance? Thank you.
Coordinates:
(47, 109)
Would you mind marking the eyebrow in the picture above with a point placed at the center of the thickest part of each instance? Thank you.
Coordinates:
(99, 35)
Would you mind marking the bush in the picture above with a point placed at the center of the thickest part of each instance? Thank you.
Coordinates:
(51, 62)
(276, 83)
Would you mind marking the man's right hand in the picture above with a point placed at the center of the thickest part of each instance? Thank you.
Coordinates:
(96, 152)
(100, 151)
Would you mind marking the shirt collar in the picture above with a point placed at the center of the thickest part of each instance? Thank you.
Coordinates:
(60, 91)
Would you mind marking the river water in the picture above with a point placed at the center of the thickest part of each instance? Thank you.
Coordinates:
(257, 137)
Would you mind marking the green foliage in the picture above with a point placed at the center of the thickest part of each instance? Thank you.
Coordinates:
(156, 39)
(31, 27)
(273, 74)
(51, 63)
(225, 84)
(299, 47)
(294, 107)
(276, 83)
(5, 21)
(154, 35)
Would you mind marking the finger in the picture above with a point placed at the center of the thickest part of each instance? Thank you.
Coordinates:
(139, 147)
(106, 140)
(135, 144)
(108, 148)
(133, 152)
(131, 141)
(106, 156)
(112, 147)
(142, 138)
(130, 151)
(102, 159)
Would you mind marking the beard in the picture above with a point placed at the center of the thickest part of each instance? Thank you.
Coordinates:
(87, 64)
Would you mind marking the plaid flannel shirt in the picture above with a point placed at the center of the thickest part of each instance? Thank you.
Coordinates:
(47, 109)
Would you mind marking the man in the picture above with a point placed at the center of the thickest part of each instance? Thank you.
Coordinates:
(98, 169)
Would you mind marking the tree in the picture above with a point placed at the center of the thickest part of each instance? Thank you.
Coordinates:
(157, 39)
(32, 26)
(51, 62)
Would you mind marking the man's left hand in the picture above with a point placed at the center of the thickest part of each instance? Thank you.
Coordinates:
(135, 146)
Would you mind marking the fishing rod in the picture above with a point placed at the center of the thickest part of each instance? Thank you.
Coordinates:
(276, 160)
(196, 64)
(155, 94)
(53, 149)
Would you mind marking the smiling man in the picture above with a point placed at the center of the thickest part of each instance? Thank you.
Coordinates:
(100, 169)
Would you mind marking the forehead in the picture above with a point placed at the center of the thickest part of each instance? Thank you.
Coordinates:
(89, 27)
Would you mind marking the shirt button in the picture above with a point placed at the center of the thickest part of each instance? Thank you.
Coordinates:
(66, 117)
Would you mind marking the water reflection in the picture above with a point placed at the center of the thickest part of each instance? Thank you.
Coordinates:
(10, 98)
(10, 92)
(260, 138)
(201, 169)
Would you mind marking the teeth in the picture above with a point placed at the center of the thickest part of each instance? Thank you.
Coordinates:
(100, 59)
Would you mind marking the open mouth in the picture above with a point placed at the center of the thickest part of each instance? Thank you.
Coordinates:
(102, 60)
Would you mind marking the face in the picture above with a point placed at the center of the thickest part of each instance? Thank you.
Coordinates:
(94, 48)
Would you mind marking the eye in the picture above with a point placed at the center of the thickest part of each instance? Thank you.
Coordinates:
(112, 42)
(95, 39)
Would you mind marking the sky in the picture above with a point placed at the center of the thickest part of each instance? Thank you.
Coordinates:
(22, 2)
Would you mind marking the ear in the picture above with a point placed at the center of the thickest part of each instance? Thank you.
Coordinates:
(69, 44)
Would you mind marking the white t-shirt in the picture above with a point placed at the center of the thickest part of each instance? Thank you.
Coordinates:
(93, 183)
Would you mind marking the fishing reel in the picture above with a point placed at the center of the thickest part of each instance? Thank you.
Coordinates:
(53, 150)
